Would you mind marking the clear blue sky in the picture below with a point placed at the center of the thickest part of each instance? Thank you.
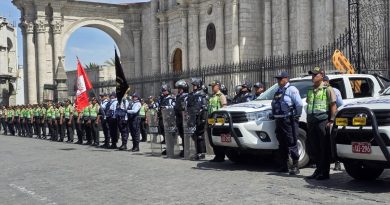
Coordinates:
(97, 49)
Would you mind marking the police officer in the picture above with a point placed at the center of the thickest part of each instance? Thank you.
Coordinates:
(236, 98)
(321, 110)
(339, 103)
(17, 120)
(23, 121)
(165, 101)
(95, 117)
(134, 121)
(181, 99)
(259, 88)
(37, 121)
(216, 102)
(197, 110)
(229, 98)
(104, 107)
(86, 123)
(3, 112)
(29, 121)
(142, 116)
(246, 95)
(59, 114)
(286, 109)
(112, 120)
(43, 123)
(121, 115)
(11, 118)
(68, 116)
(78, 124)
(49, 119)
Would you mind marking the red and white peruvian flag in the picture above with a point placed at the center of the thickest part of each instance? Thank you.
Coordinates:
(83, 85)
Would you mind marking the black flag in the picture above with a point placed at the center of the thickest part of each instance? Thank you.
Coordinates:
(121, 83)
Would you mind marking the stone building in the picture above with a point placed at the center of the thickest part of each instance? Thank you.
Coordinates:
(9, 69)
(101, 74)
(174, 35)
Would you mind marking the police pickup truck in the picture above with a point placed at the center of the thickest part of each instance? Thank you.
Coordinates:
(247, 129)
(361, 137)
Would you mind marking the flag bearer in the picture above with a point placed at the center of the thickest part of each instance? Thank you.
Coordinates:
(95, 117)
(86, 122)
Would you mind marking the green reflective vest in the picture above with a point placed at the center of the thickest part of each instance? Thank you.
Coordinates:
(49, 112)
(11, 113)
(28, 112)
(17, 112)
(215, 103)
(43, 112)
(317, 103)
(142, 111)
(68, 110)
(94, 110)
(37, 112)
(86, 112)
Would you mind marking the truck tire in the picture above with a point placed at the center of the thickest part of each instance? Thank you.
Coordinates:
(234, 156)
(302, 149)
(361, 172)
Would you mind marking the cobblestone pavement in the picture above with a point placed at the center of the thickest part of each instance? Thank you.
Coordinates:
(36, 171)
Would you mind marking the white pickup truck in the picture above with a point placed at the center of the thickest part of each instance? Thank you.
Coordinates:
(361, 137)
(246, 128)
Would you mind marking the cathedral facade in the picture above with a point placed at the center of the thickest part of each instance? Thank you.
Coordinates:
(176, 35)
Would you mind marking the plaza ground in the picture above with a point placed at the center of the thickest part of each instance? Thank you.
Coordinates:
(36, 171)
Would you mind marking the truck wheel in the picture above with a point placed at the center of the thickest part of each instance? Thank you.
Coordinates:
(303, 155)
(234, 156)
(362, 172)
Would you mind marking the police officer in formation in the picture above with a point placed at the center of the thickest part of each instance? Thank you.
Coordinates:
(245, 94)
(259, 88)
(236, 98)
(134, 121)
(197, 110)
(181, 100)
(121, 113)
(287, 109)
(229, 98)
(216, 102)
(104, 107)
(321, 111)
(94, 117)
(112, 120)
(166, 101)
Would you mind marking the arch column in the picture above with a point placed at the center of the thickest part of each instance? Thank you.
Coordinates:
(137, 52)
(304, 25)
(184, 37)
(155, 37)
(221, 31)
(267, 28)
(195, 38)
(57, 41)
(42, 74)
(30, 73)
(235, 32)
(164, 44)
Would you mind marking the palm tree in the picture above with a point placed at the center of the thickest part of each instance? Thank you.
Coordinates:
(92, 66)
(110, 62)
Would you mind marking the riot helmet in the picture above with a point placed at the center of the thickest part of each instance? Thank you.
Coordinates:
(237, 89)
(224, 89)
(182, 84)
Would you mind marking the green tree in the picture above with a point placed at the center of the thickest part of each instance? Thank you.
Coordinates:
(110, 62)
(91, 66)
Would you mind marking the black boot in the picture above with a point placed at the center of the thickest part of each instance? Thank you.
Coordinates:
(294, 170)
(314, 175)
(113, 146)
(123, 147)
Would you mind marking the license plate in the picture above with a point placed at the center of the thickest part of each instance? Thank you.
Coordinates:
(226, 138)
(361, 147)
(341, 121)
(359, 121)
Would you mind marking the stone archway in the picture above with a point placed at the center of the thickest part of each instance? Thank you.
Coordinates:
(177, 61)
(48, 24)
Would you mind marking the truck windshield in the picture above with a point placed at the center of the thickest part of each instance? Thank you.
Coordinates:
(301, 85)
